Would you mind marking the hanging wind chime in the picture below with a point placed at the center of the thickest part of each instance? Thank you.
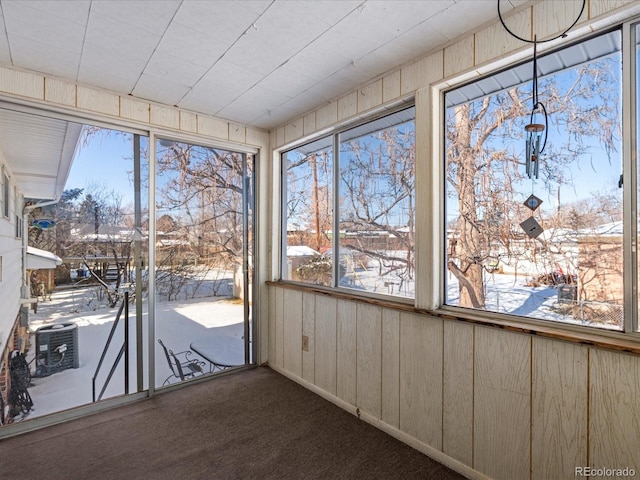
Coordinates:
(536, 141)
(536, 131)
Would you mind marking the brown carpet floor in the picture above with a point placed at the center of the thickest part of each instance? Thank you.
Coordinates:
(255, 424)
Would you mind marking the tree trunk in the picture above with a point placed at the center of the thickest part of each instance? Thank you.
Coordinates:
(469, 249)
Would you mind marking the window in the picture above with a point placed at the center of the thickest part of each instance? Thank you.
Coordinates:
(561, 259)
(5, 196)
(3, 189)
(18, 209)
(309, 213)
(360, 184)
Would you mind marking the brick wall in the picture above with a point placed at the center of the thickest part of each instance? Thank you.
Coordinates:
(18, 341)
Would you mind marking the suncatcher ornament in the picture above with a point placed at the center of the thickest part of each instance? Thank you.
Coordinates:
(43, 223)
(532, 202)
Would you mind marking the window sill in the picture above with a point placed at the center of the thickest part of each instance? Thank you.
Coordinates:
(606, 339)
(388, 301)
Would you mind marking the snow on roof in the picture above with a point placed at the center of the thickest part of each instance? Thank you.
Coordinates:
(37, 258)
(300, 251)
(613, 228)
(558, 235)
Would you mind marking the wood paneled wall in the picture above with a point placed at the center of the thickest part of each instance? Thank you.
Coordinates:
(508, 405)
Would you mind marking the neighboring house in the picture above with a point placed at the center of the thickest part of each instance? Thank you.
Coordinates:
(12, 330)
(298, 255)
(41, 271)
(108, 253)
(36, 170)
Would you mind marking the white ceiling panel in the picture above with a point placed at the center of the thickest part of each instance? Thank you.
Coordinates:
(400, 16)
(175, 69)
(39, 25)
(333, 86)
(293, 83)
(159, 89)
(352, 36)
(227, 81)
(216, 98)
(414, 42)
(45, 58)
(369, 66)
(466, 15)
(153, 16)
(107, 80)
(75, 11)
(221, 20)
(101, 64)
(316, 62)
(255, 61)
(265, 47)
(119, 37)
(192, 46)
(290, 109)
(258, 97)
(204, 99)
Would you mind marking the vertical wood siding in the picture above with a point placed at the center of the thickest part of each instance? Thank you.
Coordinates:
(508, 405)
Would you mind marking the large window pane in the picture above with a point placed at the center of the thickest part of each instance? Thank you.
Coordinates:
(573, 270)
(202, 292)
(377, 206)
(94, 228)
(373, 185)
(309, 213)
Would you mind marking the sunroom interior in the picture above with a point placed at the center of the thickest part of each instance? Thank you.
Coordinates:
(351, 183)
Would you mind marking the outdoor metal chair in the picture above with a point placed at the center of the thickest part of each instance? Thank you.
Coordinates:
(181, 364)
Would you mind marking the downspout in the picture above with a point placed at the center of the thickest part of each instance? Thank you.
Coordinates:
(25, 294)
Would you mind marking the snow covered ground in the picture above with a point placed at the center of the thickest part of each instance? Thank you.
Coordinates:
(178, 324)
(507, 293)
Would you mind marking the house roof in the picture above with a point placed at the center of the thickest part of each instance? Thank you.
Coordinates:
(41, 259)
(300, 251)
(39, 150)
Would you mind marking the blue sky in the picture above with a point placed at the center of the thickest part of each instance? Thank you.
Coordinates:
(105, 160)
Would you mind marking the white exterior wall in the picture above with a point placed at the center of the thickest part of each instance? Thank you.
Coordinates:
(11, 253)
(488, 402)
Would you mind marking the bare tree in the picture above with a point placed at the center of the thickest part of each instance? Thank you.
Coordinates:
(377, 184)
(376, 206)
(485, 143)
(202, 192)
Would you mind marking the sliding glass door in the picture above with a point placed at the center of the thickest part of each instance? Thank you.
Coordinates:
(203, 260)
